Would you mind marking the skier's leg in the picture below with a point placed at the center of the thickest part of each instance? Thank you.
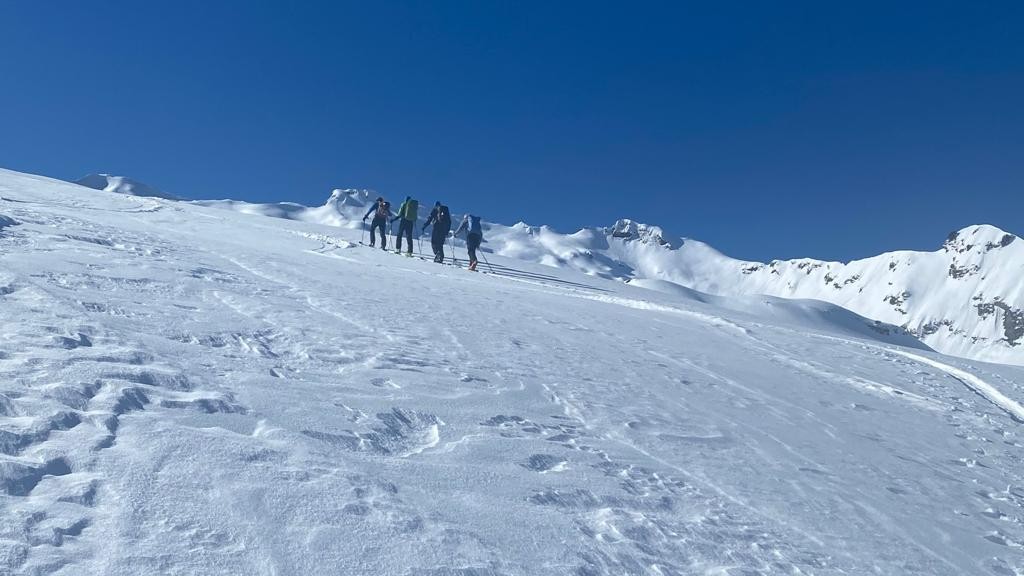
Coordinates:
(439, 250)
(408, 232)
(472, 243)
(378, 224)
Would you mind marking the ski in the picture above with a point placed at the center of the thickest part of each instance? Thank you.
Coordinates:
(448, 261)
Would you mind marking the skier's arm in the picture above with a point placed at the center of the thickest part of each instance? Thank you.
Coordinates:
(460, 228)
(370, 211)
(431, 218)
(401, 211)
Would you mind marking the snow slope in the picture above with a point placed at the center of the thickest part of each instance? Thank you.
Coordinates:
(965, 299)
(187, 390)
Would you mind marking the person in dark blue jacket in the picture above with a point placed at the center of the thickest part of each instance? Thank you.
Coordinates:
(441, 218)
(474, 236)
(381, 211)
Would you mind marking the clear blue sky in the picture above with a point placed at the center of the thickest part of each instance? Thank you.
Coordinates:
(768, 129)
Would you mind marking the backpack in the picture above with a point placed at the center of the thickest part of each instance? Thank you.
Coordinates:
(383, 210)
(444, 218)
(409, 208)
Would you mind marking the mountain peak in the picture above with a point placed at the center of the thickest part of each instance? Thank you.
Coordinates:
(984, 236)
(631, 230)
(350, 197)
(122, 185)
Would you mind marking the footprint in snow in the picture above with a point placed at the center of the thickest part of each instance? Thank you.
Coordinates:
(545, 463)
(384, 383)
(399, 432)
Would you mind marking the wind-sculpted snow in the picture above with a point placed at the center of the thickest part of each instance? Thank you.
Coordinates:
(186, 390)
(6, 221)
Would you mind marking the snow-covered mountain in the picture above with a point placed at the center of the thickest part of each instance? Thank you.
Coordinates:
(189, 390)
(123, 185)
(965, 299)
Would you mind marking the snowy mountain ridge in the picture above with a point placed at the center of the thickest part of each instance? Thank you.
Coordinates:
(123, 185)
(190, 390)
(965, 299)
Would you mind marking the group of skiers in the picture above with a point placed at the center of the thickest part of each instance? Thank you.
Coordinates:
(440, 218)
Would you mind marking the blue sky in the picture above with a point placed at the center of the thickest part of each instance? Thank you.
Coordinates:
(767, 129)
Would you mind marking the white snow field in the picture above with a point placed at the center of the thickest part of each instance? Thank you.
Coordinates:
(187, 390)
(964, 299)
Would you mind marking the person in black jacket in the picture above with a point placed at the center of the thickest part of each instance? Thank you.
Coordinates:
(381, 212)
(441, 218)
(474, 236)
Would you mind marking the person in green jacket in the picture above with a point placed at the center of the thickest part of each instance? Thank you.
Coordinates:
(407, 214)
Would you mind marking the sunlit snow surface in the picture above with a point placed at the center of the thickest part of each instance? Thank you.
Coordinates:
(188, 390)
(965, 299)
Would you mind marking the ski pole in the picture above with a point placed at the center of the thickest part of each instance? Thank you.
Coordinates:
(486, 262)
(362, 237)
(419, 242)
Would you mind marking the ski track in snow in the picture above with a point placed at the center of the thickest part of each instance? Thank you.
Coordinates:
(184, 394)
(984, 389)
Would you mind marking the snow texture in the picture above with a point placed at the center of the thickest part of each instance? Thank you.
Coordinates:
(189, 390)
